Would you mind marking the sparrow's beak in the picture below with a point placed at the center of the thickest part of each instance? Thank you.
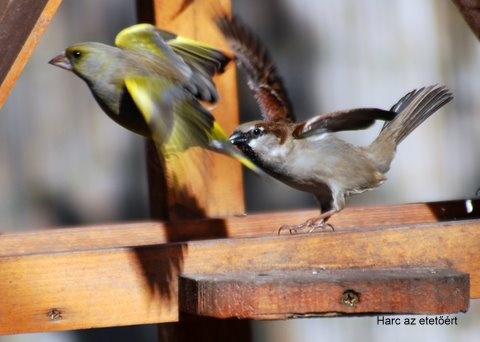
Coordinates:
(61, 61)
(238, 138)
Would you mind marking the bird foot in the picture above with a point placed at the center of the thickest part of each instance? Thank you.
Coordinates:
(309, 226)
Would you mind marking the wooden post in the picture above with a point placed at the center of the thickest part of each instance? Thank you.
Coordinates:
(218, 192)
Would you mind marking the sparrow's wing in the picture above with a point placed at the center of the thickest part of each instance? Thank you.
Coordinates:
(188, 62)
(346, 120)
(263, 78)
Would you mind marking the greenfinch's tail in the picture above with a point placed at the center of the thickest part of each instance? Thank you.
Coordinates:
(219, 143)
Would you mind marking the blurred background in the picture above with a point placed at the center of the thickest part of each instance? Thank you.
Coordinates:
(64, 162)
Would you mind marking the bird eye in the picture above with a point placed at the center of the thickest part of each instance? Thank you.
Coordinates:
(76, 54)
(257, 131)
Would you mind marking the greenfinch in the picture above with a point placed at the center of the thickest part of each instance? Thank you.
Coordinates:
(151, 83)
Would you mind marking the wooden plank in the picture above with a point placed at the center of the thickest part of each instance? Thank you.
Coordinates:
(138, 285)
(210, 192)
(147, 233)
(22, 23)
(283, 294)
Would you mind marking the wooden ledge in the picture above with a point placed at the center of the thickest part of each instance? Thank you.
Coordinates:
(282, 294)
(128, 274)
(148, 233)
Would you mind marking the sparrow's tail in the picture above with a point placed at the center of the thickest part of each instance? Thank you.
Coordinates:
(412, 109)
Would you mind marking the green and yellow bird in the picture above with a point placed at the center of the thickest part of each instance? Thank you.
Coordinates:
(151, 83)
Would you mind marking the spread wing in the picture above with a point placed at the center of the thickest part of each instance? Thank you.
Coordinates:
(177, 121)
(189, 62)
(346, 120)
(173, 120)
(204, 60)
(200, 56)
(263, 78)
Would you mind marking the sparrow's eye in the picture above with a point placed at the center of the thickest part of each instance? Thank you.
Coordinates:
(257, 131)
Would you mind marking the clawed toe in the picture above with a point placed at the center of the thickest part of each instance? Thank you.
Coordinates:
(320, 225)
(310, 225)
(292, 229)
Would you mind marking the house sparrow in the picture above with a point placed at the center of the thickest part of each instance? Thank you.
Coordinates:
(151, 83)
(307, 155)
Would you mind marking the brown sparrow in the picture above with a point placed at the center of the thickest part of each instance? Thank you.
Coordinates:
(307, 155)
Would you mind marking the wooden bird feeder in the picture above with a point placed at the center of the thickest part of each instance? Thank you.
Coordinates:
(219, 273)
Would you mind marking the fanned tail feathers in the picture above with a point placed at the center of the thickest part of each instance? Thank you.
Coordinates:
(413, 109)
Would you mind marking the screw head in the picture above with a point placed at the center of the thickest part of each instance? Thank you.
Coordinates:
(350, 298)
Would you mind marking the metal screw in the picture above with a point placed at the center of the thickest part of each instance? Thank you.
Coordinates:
(54, 315)
(350, 298)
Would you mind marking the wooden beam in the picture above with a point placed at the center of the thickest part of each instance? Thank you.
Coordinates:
(120, 283)
(283, 294)
(70, 239)
(213, 191)
(22, 23)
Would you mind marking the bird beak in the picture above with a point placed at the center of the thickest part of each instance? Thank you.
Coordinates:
(61, 61)
(238, 138)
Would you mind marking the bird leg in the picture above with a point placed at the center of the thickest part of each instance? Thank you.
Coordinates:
(312, 224)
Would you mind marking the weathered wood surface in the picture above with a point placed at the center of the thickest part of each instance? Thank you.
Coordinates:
(112, 276)
(159, 232)
(214, 187)
(324, 292)
(17, 42)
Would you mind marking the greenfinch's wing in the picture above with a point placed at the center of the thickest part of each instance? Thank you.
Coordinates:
(150, 48)
(177, 121)
(145, 37)
(196, 54)
(190, 114)
(204, 61)
(156, 99)
(202, 57)
(196, 62)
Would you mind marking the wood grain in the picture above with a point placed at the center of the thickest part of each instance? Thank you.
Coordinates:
(139, 284)
(214, 184)
(315, 292)
(70, 239)
(18, 41)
